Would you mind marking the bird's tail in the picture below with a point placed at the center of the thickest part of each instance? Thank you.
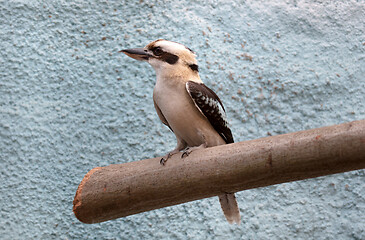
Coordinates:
(230, 208)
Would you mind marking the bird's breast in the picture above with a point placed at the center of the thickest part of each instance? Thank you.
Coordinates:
(184, 117)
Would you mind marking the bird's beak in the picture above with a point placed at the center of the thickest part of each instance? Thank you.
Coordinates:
(137, 53)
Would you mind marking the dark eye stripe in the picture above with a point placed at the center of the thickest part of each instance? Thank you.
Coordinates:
(194, 67)
(169, 58)
(164, 56)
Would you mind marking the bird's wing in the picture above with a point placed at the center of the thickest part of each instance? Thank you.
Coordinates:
(161, 116)
(211, 107)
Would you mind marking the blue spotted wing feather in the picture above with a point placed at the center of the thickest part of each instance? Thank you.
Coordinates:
(211, 107)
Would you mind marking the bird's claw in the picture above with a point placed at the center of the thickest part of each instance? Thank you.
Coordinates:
(162, 161)
(185, 153)
(165, 158)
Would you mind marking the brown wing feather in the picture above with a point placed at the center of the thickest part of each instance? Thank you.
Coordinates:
(211, 107)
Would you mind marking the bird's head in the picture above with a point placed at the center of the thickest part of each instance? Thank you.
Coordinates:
(166, 57)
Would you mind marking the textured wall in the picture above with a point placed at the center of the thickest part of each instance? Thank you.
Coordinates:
(70, 102)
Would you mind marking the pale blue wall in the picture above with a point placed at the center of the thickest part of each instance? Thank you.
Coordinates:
(70, 102)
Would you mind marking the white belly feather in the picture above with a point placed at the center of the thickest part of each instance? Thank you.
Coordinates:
(184, 118)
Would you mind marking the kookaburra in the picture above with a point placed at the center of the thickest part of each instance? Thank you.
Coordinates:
(189, 108)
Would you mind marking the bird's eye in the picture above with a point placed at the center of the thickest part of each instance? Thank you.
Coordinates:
(157, 51)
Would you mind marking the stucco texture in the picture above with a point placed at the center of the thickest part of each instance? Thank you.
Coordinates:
(70, 102)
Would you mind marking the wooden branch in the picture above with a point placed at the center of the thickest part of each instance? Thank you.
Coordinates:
(120, 190)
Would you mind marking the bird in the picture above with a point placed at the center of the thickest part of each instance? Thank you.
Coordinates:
(192, 111)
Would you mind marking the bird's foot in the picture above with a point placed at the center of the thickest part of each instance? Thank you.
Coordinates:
(189, 150)
(186, 152)
(167, 156)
